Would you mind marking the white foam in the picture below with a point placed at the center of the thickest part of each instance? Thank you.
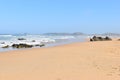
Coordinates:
(5, 35)
(38, 39)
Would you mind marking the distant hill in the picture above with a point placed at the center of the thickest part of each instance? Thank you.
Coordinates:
(105, 34)
(111, 34)
(76, 33)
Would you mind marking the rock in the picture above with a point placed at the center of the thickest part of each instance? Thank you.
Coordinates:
(14, 45)
(118, 39)
(37, 45)
(40, 45)
(97, 38)
(21, 39)
(107, 38)
(33, 41)
(91, 39)
(100, 38)
(2, 43)
(22, 46)
(7, 46)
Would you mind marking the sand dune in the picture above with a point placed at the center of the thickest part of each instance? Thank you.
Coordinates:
(78, 61)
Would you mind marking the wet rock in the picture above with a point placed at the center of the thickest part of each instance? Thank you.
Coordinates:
(7, 46)
(100, 38)
(91, 39)
(14, 45)
(21, 39)
(40, 45)
(37, 45)
(33, 41)
(22, 46)
(107, 38)
(97, 38)
(2, 43)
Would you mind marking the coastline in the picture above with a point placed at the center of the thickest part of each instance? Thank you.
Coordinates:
(16, 42)
(81, 60)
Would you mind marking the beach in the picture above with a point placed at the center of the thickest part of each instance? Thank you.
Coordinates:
(98, 60)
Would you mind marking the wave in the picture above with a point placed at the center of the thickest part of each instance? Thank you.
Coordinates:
(33, 39)
(1, 35)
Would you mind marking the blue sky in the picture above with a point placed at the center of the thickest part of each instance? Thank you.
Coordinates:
(42, 16)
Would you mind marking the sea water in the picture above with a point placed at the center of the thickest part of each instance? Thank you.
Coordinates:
(32, 39)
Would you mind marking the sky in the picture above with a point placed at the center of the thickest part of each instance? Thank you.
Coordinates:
(45, 16)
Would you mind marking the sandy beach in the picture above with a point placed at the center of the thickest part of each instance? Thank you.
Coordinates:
(77, 61)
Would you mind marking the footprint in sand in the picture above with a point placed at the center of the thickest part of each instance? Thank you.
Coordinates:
(115, 71)
(58, 79)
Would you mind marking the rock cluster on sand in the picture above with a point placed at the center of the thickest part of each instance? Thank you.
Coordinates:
(94, 38)
(7, 46)
(26, 45)
(40, 45)
(22, 46)
(18, 46)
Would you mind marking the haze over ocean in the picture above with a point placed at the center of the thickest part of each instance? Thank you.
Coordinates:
(43, 16)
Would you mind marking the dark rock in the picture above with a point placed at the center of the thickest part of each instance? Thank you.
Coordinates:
(118, 39)
(100, 38)
(94, 37)
(91, 39)
(33, 41)
(2, 43)
(21, 39)
(40, 45)
(7, 46)
(107, 38)
(97, 38)
(14, 45)
(37, 45)
(22, 46)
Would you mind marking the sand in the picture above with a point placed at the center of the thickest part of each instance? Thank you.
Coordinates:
(77, 61)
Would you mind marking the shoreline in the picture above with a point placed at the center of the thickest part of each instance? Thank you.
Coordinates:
(58, 44)
(46, 45)
(82, 60)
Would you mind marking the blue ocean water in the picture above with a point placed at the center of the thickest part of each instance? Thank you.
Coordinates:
(32, 39)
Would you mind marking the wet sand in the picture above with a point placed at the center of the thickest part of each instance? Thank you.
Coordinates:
(78, 61)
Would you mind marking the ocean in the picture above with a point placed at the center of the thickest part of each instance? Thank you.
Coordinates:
(32, 39)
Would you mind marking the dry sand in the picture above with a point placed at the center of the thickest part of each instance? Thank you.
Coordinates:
(78, 61)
